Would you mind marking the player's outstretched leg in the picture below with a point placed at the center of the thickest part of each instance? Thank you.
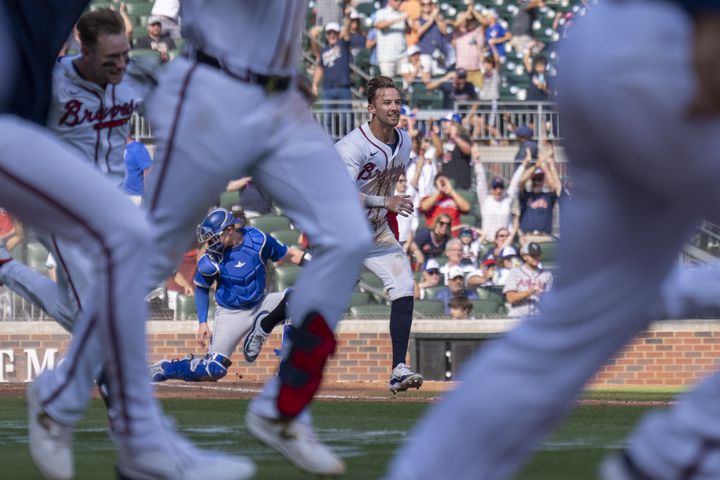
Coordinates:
(210, 368)
(262, 326)
(299, 378)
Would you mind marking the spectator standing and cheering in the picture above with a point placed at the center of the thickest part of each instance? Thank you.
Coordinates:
(156, 39)
(521, 28)
(456, 150)
(390, 23)
(431, 30)
(469, 42)
(496, 204)
(537, 204)
(455, 88)
(334, 70)
(445, 200)
(495, 35)
(538, 90)
(357, 36)
(169, 13)
(526, 283)
(421, 173)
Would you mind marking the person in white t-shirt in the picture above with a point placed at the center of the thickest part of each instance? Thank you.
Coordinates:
(390, 23)
(496, 204)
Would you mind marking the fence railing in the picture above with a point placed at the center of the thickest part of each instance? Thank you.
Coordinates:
(487, 121)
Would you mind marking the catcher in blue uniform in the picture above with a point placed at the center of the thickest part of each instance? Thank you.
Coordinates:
(235, 262)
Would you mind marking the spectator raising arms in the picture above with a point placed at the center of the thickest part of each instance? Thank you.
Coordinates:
(456, 150)
(495, 35)
(390, 23)
(496, 204)
(430, 30)
(421, 173)
(445, 200)
(536, 204)
(468, 43)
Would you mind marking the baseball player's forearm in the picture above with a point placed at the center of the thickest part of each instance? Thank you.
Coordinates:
(202, 303)
(373, 201)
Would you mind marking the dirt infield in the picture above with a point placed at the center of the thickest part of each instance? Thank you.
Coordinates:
(367, 391)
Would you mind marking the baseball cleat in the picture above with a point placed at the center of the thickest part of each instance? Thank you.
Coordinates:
(403, 378)
(157, 371)
(179, 459)
(297, 442)
(50, 441)
(254, 342)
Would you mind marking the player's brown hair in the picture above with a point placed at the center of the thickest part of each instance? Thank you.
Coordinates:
(376, 84)
(100, 22)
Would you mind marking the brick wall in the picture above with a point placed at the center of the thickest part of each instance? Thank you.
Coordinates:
(669, 354)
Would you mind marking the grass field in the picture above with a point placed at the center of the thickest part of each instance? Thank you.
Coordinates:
(365, 434)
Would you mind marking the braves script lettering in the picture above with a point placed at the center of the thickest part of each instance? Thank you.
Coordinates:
(76, 114)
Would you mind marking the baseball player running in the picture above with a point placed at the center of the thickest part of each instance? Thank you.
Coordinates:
(235, 262)
(625, 135)
(90, 108)
(91, 105)
(232, 108)
(376, 154)
(46, 186)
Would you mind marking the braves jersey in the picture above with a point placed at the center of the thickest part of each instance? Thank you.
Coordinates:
(262, 36)
(240, 272)
(523, 279)
(374, 166)
(93, 120)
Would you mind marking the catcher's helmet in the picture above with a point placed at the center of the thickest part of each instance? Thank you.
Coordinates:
(214, 224)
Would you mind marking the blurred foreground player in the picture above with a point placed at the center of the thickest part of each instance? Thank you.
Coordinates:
(51, 190)
(232, 108)
(644, 142)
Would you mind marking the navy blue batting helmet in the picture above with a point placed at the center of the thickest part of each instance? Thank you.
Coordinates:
(213, 225)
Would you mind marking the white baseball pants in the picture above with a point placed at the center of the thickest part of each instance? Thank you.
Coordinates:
(644, 175)
(47, 187)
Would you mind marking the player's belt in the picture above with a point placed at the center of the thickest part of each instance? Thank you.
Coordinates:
(270, 83)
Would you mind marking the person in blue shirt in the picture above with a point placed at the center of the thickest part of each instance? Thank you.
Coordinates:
(137, 162)
(495, 35)
(235, 263)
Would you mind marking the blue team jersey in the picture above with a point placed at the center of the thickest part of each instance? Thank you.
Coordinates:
(240, 273)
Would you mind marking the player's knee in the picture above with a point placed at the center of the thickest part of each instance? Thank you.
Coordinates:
(216, 365)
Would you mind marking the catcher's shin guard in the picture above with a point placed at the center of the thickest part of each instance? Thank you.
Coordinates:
(210, 368)
(302, 366)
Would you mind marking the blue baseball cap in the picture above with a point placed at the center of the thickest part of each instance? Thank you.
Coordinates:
(452, 117)
(524, 131)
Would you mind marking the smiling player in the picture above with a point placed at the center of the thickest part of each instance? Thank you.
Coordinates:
(376, 154)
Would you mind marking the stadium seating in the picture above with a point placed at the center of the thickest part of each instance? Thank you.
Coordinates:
(288, 237)
(487, 307)
(270, 223)
(286, 276)
(428, 309)
(488, 294)
(371, 280)
(360, 298)
(370, 311)
(229, 199)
